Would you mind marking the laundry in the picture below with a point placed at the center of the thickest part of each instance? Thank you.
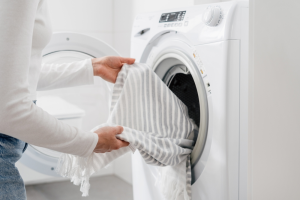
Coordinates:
(156, 123)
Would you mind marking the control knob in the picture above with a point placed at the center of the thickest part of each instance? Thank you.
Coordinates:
(213, 16)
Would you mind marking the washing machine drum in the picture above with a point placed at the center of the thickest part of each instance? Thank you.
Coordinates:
(183, 86)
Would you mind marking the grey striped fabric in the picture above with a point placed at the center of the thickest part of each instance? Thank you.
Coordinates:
(155, 122)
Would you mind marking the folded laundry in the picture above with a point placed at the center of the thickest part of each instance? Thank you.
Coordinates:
(155, 122)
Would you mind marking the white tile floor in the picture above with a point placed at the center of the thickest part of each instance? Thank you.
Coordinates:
(102, 188)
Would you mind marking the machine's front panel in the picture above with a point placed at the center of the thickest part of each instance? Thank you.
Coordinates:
(221, 170)
(215, 30)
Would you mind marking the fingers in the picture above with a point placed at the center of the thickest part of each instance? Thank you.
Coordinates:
(127, 60)
(122, 143)
(118, 130)
(107, 140)
(119, 143)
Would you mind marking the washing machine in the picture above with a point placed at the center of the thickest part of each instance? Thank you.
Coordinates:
(67, 47)
(201, 54)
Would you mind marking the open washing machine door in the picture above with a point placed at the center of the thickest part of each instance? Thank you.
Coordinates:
(63, 48)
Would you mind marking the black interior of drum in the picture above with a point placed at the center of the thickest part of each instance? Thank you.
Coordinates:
(183, 86)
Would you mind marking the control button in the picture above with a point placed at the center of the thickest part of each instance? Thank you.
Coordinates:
(180, 24)
(186, 23)
(213, 16)
(165, 25)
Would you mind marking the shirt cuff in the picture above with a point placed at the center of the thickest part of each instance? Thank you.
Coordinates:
(89, 66)
(91, 147)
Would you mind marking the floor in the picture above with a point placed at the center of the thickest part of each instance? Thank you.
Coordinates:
(102, 188)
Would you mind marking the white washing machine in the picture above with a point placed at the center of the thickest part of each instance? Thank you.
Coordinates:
(201, 53)
(63, 48)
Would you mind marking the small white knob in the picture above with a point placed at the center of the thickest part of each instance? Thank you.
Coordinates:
(212, 16)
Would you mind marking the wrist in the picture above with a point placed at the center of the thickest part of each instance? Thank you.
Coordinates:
(99, 144)
(93, 66)
(96, 66)
(93, 61)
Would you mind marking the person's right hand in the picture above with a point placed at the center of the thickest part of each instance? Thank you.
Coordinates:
(107, 140)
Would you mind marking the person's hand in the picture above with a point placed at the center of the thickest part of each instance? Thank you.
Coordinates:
(107, 140)
(108, 67)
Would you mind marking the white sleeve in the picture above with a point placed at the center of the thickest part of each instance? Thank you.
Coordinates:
(19, 117)
(55, 76)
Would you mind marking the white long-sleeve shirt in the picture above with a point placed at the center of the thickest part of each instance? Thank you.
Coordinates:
(24, 31)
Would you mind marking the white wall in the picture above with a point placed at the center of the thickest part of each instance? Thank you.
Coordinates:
(274, 137)
(123, 19)
(197, 2)
(92, 17)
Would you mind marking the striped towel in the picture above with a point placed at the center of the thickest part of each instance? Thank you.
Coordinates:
(155, 122)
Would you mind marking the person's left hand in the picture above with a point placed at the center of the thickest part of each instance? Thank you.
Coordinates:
(108, 67)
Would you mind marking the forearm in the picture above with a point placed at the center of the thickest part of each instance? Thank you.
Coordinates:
(55, 76)
(23, 120)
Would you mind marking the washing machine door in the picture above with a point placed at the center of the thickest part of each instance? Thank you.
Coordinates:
(63, 47)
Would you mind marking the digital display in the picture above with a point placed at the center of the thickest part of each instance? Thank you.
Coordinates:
(172, 17)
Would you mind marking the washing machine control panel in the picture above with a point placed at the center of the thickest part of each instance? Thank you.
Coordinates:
(172, 17)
